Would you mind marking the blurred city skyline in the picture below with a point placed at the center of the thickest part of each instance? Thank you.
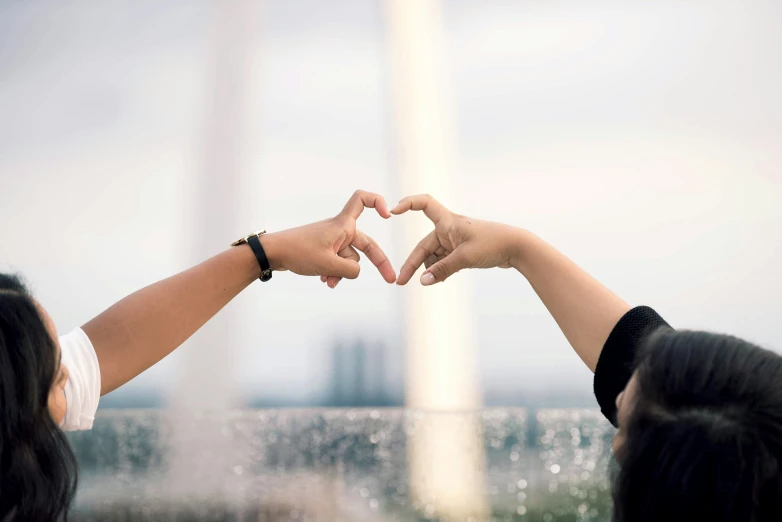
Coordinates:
(643, 140)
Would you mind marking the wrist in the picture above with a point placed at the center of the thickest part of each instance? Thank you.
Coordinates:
(244, 261)
(518, 246)
(271, 244)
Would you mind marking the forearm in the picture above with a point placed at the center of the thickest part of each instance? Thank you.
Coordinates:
(585, 310)
(146, 326)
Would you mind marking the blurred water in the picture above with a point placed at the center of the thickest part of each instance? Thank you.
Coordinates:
(335, 465)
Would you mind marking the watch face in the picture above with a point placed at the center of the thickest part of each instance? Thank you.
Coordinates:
(244, 239)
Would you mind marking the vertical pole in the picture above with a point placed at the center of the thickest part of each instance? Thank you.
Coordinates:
(206, 379)
(224, 169)
(445, 449)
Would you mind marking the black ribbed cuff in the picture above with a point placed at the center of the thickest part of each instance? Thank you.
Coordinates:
(617, 360)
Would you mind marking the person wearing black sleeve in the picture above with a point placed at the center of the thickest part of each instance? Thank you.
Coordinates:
(698, 415)
(617, 359)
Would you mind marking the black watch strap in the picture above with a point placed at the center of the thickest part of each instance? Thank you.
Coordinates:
(260, 255)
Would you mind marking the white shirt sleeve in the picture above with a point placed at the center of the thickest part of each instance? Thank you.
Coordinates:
(82, 391)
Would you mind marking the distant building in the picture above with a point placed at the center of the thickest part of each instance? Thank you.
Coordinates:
(358, 376)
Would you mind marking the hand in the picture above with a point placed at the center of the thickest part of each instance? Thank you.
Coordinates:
(328, 248)
(457, 242)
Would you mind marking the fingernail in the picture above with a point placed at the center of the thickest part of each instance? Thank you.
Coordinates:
(427, 279)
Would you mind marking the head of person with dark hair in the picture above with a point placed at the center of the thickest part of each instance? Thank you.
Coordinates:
(700, 432)
(37, 467)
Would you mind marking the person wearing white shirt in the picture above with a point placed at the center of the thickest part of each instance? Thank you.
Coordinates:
(49, 384)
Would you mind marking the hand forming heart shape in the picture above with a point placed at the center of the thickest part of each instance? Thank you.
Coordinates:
(329, 248)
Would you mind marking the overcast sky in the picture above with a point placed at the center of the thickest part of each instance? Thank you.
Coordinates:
(643, 139)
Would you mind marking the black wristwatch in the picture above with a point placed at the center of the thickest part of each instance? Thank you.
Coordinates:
(255, 243)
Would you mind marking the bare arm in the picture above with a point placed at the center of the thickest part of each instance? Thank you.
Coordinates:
(584, 309)
(149, 324)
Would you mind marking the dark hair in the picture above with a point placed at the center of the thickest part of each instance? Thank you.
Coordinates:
(37, 466)
(703, 440)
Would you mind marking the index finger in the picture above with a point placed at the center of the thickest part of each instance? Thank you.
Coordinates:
(362, 199)
(423, 250)
(375, 254)
(433, 209)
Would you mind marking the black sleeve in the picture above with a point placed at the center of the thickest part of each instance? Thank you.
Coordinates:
(617, 360)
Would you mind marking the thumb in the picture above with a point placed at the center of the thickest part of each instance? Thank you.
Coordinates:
(341, 267)
(443, 269)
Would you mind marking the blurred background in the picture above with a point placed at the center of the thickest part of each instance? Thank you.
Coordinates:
(644, 139)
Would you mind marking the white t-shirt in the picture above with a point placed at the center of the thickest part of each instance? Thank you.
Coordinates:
(82, 391)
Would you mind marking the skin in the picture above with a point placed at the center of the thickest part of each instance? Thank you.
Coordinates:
(624, 405)
(57, 402)
(585, 310)
(143, 328)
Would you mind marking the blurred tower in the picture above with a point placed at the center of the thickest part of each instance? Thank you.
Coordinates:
(223, 171)
(445, 449)
(358, 375)
(207, 377)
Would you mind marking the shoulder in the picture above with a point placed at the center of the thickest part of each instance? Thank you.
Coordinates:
(82, 391)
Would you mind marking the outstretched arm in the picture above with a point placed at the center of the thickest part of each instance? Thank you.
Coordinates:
(146, 326)
(584, 309)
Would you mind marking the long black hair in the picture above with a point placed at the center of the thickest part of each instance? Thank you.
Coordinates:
(37, 467)
(704, 437)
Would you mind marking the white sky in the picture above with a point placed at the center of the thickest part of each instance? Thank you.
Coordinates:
(643, 139)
